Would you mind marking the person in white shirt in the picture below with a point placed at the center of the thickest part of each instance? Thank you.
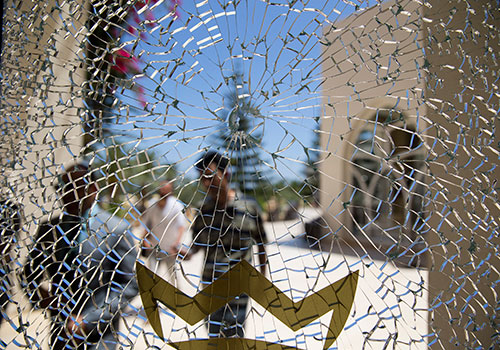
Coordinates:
(165, 226)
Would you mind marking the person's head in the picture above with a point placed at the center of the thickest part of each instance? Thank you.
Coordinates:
(214, 173)
(77, 189)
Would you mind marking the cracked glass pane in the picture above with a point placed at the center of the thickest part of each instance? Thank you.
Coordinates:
(249, 174)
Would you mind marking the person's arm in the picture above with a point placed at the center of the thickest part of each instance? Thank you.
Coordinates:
(146, 246)
(196, 228)
(146, 242)
(181, 223)
(75, 324)
(261, 241)
(262, 258)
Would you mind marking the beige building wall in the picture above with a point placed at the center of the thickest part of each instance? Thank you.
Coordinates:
(43, 76)
(367, 67)
(42, 86)
(462, 98)
(446, 83)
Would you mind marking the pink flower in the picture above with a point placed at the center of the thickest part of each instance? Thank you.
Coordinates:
(123, 63)
(135, 17)
(148, 15)
(151, 19)
(141, 96)
(173, 7)
(132, 30)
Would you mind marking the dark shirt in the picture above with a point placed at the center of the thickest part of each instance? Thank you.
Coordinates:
(89, 263)
(10, 223)
(227, 235)
(53, 258)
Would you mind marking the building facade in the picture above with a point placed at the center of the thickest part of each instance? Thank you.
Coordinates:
(411, 153)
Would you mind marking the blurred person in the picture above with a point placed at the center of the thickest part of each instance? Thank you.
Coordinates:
(165, 227)
(273, 209)
(226, 227)
(87, 256)
(10, 224)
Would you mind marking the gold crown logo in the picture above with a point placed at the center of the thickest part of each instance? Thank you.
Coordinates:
(244, 278)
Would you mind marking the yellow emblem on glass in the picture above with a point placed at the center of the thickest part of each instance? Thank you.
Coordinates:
(244, 278)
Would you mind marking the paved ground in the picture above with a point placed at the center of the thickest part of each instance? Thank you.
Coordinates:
(386, 312)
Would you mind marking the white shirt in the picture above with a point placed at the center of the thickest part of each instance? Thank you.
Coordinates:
(165, 223)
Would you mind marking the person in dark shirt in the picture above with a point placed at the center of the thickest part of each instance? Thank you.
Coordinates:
(10, 224)
(87, 257)
(226, 227)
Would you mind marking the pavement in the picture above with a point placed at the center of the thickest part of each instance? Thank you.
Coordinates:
(389, 309)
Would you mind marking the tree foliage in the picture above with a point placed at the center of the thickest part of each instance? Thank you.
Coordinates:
(311, 183)
(111, 63)
(128, 175)
(239, 138)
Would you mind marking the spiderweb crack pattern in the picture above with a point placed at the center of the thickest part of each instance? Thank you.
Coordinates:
(361, 135)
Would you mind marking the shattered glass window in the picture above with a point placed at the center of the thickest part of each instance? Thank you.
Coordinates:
(249, 174)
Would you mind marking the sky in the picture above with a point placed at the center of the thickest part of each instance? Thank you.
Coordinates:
(187, 62)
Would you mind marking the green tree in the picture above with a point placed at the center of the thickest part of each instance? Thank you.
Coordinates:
(240, 136)
(128, 176)
(310, 190)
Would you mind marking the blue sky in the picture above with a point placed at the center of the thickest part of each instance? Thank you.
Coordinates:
(187, 61)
